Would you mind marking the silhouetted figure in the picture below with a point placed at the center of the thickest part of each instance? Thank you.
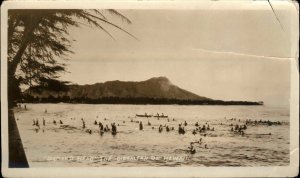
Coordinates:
(54, 122)
(149, 123)
(167, 129)
(60, 122)
(196, 124)
(192, 149)
(101, 126)
(185, 123)
(95, 122)
(101, 132)
(38, 125)
(160, 129)
(194, 132)
(242, 132)
(44, 122)
(141, 126)
(236, 127)
(181, 129)
(113, 129)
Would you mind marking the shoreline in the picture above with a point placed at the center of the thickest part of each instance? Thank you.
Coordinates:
(156, 102)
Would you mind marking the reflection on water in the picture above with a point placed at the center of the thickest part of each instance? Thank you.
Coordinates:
(68, 144)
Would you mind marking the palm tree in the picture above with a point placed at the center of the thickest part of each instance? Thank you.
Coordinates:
(36, 37)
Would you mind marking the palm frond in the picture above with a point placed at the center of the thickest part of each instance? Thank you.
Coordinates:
(114, 25)
(124, 18)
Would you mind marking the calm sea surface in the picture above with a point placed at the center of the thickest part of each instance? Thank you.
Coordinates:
(70, 145)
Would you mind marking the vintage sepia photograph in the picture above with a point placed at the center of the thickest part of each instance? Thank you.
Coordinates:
(203, 86)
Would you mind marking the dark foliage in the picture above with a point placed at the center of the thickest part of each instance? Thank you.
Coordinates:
(140, 100)
(38, 39)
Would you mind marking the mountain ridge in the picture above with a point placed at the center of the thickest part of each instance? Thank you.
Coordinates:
(156, 90)
(156, 87)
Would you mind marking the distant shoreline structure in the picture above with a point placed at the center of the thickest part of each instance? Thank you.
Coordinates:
(136, 101)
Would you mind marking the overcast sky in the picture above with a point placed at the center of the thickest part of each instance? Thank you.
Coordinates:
(221, 54)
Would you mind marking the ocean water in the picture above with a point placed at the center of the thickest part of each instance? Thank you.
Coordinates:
(70, 145)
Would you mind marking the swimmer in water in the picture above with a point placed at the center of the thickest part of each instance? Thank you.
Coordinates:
(141, 125)
(192, 149)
